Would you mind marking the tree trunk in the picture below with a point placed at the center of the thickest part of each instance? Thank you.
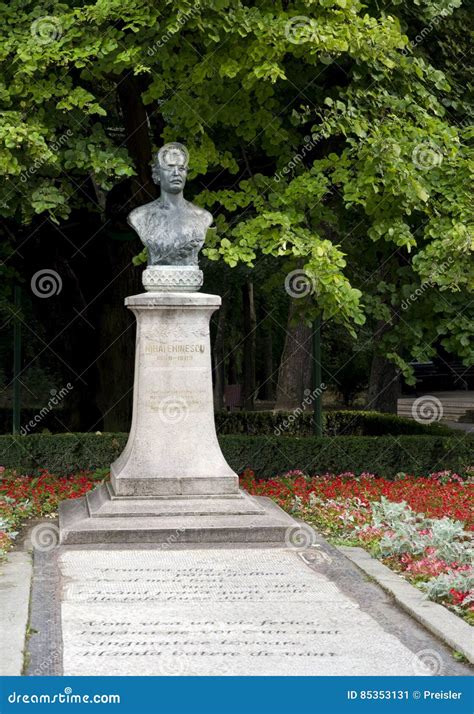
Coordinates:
(249, 346)
(294, 374)
(384, 385)
(232, 369)
(219, 358)
(138, 140)
(116, 326)
(267, 391)
(384, 380)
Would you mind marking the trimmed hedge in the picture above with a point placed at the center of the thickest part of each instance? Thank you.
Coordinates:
(267, 456)
(336, 423)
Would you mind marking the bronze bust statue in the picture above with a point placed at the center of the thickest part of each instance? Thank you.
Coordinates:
(172, 229)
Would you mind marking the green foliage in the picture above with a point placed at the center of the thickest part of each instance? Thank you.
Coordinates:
(334, 133)
(410, 532)
(297, 423)
(440, 587)
(336, 423)
(367, 423)
(268, 456)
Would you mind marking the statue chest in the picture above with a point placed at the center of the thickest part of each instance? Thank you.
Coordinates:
(173, 237)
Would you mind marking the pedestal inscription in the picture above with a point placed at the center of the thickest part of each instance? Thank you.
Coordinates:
(237, 612)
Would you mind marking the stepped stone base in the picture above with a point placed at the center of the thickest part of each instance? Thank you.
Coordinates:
(171, 484)
(103, 517)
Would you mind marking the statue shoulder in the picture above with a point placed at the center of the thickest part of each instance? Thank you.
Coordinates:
(136, 216)
(202, 214)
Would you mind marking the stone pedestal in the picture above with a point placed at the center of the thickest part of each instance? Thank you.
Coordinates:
(172, 481)
(172, 448)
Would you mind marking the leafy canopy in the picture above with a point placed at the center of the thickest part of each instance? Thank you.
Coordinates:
(320, 133)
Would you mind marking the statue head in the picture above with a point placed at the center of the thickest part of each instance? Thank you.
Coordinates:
(170, 167)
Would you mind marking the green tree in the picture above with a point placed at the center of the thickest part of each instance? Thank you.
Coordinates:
(320, 137)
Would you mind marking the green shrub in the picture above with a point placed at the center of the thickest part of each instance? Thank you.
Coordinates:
(266, 455)
(369, 423)
(61, 453)
(382, 455)
(336, 423)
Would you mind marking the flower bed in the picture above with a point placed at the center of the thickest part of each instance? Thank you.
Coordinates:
(420, 527)
(26, 497)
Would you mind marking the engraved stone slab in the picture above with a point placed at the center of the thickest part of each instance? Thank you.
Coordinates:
(219, 612)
